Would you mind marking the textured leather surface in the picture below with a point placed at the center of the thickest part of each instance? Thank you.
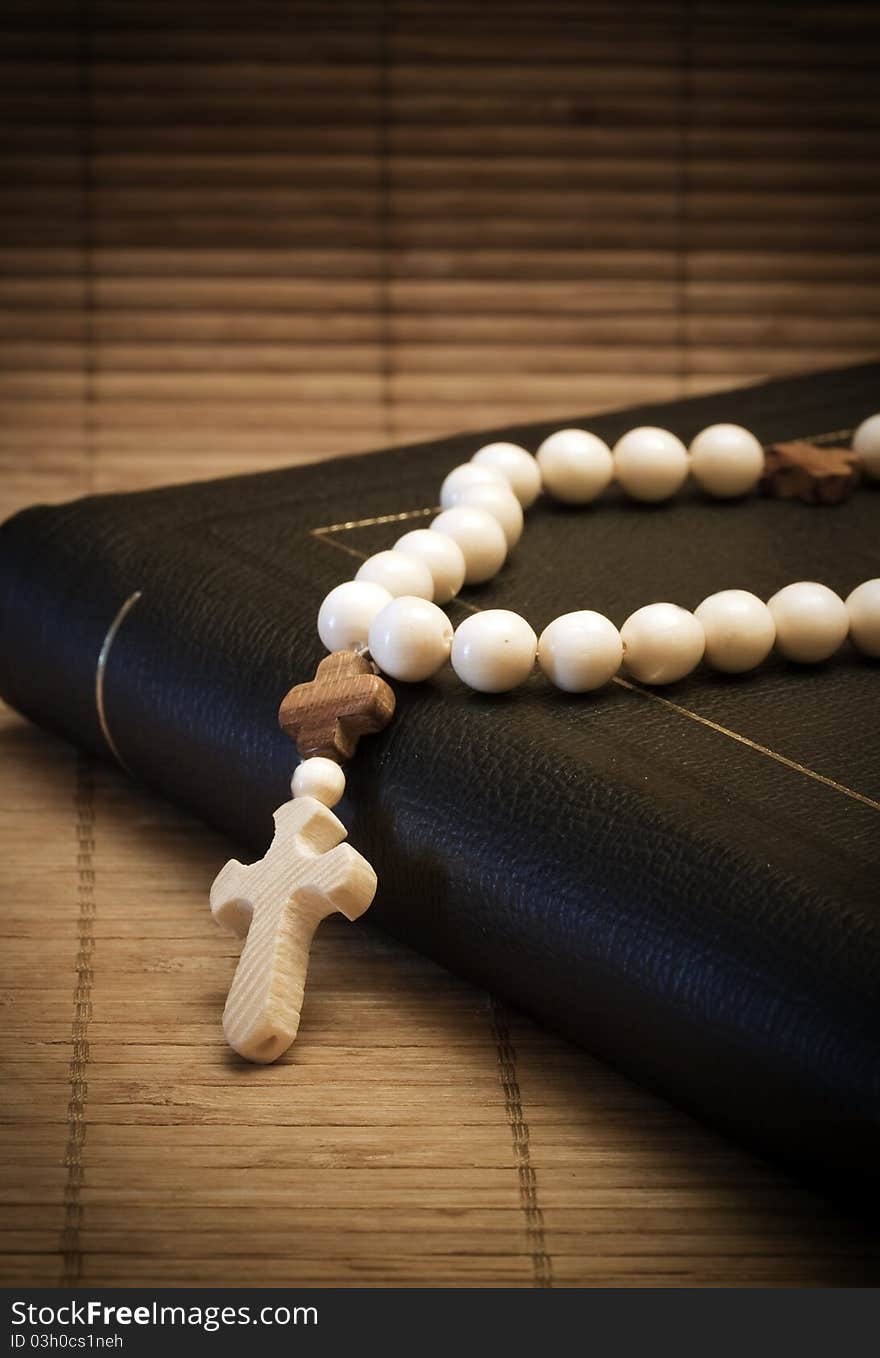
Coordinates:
(702, 915)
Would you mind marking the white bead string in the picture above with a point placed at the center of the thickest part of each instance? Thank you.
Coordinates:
(392, 607)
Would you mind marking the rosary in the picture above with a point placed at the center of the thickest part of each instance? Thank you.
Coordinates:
(388, 620)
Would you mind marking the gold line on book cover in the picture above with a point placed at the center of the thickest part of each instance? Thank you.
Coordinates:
(323, 535)
(101, 670)
(744, 740)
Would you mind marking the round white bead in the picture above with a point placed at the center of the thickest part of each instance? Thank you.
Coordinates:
(319, 778)
(517, 466)
(399, 573)
(576, 466)
(463, 478)
(811, 621)
(494, 651)
(866, 442)
(443, 557)
(739, 628)
(726, 460)
(502, 504)
(650, 463)
(480, 537)
(345, 615)
(863, 607)
(662, 643)
(410, 639)
(580, 651)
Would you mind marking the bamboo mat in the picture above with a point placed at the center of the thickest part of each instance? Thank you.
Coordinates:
(238, 237)
(255, 233)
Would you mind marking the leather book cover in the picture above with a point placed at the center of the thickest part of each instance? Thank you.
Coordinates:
(684, 880)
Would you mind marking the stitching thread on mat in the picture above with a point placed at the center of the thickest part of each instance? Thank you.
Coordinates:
(542, 1266)
(70, 1239)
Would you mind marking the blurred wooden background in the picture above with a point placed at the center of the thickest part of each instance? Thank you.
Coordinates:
(238, 236)
(246, 234)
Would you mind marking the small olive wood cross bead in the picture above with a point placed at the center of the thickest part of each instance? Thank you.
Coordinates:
(345, 700)
(799, 470)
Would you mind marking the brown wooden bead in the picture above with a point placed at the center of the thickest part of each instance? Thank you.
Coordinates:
(345, 700)
(802, 471)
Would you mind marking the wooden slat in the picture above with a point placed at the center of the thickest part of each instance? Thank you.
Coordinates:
(529, 178)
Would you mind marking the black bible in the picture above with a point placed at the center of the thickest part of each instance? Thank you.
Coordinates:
(684, 880)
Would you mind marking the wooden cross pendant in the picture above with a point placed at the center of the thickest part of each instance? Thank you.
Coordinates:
(345, 700)
(278, 902)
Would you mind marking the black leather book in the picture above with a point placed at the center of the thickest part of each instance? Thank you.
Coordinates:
(684, 880)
